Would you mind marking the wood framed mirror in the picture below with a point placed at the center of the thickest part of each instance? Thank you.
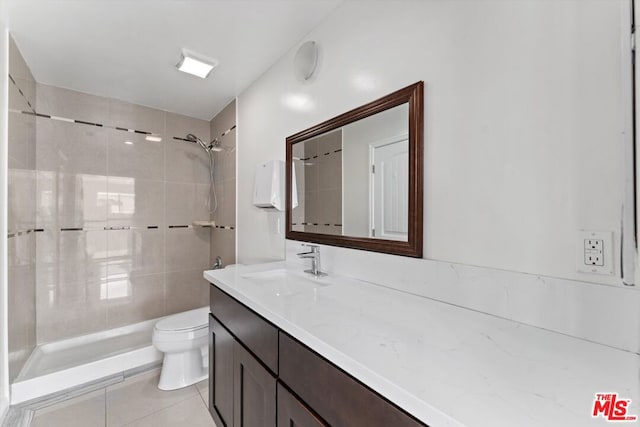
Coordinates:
(356, 180)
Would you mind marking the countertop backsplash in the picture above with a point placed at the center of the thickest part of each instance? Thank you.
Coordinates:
(599, 313)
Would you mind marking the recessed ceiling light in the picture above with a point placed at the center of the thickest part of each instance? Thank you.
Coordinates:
(196, 64)
(128, 142)
(153, 138)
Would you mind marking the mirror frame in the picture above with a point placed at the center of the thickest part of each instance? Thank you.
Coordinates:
(413, 95)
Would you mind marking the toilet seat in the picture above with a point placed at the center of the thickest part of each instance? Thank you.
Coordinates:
(189, 321)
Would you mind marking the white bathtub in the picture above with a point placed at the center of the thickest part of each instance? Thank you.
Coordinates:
(61, 365)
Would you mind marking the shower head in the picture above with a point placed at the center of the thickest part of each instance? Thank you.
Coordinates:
(215, 145)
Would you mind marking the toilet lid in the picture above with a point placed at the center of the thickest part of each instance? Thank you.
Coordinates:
(193, 319)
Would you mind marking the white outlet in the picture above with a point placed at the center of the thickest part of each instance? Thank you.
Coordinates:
(595, 252)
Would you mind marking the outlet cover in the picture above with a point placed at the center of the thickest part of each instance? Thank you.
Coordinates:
(594, 252)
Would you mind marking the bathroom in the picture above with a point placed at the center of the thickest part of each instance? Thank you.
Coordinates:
(133, 192)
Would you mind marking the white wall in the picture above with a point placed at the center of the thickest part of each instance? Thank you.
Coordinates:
(4, 114)
(523, 122)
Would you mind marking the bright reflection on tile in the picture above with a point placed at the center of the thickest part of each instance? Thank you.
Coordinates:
(298, 102)
(121, 197)
(92, 185)
(116, 288)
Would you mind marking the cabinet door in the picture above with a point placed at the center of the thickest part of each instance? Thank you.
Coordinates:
(293, 413)
(221, 348)
(254, 402)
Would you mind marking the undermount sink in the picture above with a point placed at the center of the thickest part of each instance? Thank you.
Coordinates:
(287, 282)
(287, 275)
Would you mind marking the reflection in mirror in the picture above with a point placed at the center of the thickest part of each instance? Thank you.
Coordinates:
(318, 172)
(354, 181)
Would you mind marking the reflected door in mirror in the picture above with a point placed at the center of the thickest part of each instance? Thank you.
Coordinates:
(390, 190)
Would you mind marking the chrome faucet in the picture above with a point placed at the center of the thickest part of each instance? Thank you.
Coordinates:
(314, 256)
(218, 265)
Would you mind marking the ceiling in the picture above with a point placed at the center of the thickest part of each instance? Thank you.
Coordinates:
(128, 49)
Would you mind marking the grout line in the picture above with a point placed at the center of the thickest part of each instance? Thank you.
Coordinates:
(115, 228)
(184, 398)
(202, 397)
(33, 111)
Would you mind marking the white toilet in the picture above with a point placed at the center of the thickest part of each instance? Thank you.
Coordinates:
(183, 338)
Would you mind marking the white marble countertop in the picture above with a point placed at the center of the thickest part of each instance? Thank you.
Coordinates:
(446, 365)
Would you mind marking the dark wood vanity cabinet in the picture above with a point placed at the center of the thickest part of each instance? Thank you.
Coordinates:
(242, 392)
(254, 400)
(221, 367)
(260, 376)
(292, 412)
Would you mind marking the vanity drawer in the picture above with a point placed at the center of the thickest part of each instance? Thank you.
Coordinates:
(259, 336)
(334, 395)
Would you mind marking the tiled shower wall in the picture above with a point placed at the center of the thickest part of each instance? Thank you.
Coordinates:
(114, 207)
(223, 236)
(319, 185)
(21, 241)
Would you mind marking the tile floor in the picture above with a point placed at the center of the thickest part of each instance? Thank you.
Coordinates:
(135, 402)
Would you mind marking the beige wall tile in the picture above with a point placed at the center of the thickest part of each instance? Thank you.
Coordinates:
(187, 249)
(18, 68)
(223, 244)
(135, 202)
(21, 214)
(70, 104)
(135, 252)
(28, 89)
(186, 203)
(224, 120)
(21, 126)
(71, 257)
(186, 161)
(67, 309)
(89, 177)
(17, 102)
(185, 290)
(71, 147)
(134, 299)
(137, 117)
(70, 200)
(131, 155)
(22, 313)
(225, 161)
(21, 250)
(226, 213)
(179, 125)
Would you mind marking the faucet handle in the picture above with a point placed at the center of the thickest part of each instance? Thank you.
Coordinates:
(314, 248)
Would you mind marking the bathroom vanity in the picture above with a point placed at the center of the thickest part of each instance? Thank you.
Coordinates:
(287, 348)
(258, 370)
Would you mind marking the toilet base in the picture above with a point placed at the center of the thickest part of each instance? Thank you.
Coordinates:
(182, 369)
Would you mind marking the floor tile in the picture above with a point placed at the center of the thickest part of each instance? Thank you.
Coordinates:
(190, 412)
(84, 411)
(139, 396)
